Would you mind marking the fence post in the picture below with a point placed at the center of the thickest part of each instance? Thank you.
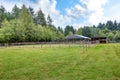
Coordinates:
(41, 45)
(83, 46)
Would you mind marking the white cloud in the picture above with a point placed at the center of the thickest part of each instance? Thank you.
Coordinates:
(49, 7)
(112, 12)
(91, 10)
(96, 7)
(9, 4)
(76, 12)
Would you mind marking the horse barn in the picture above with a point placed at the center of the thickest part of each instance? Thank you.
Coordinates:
(99, 40)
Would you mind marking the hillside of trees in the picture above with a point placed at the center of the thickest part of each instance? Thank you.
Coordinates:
(24, 25)
(110, 29)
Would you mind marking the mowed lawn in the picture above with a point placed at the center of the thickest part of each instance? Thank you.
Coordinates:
(99, 62)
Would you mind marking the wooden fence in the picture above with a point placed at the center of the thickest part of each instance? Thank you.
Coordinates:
(46, 43)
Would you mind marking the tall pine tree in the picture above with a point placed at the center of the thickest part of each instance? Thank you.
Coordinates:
(15, 11)
(40, 18)
(27, 21)
(2, 14)
(49, 21)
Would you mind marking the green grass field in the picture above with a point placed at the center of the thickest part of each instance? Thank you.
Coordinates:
(100, 62)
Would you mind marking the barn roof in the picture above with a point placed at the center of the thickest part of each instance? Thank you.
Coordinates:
(75, 36)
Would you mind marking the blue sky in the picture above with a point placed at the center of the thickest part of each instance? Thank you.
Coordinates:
(63, 4)
(78, 13)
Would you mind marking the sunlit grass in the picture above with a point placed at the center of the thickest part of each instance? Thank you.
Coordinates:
(99, 62)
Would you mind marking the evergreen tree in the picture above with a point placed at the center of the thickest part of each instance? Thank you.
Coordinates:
(95, 32)
(9, 16)
(110, 24)
(31, 11)
(19, 31)
(6, 33)
(115, 25)
(26, 17)
(27, 21)
(2, 14)
(86, 31)
(60, 29)
(100, 25)
(118, 27)
(69, 29)
(79, 31)
(40, 18)
(15, 11)
(49, 21)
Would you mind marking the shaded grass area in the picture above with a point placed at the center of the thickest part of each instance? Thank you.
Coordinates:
(100, 62)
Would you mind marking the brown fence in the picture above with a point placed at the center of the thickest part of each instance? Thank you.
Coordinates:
(46, 43)
(84, 45)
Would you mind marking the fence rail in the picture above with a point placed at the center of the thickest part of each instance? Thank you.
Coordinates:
(44, 43)
(83, 44)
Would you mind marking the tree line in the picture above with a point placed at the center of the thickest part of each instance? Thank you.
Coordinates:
(110, 29)
(24, 25)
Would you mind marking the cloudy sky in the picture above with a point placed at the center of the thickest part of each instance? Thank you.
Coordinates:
(73, 12)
